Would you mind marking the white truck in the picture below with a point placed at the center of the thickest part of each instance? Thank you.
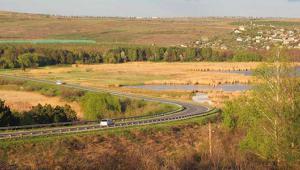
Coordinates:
(58, 82)
(106, 122)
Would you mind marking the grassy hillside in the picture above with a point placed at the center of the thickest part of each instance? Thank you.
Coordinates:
(165, 32)
(110, 30)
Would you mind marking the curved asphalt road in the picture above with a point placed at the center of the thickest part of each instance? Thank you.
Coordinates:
(188, 110)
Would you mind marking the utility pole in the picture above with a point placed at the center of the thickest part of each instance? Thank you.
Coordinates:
(210, 141)
(278, 101)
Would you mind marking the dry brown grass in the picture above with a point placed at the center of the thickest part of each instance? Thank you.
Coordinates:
(147, 73)
(219, 98)
(23, 101)
(180, 73)
(180, 147)
(113, 75)
(181, 95)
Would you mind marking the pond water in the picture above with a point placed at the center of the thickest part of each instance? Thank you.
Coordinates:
(250, 72)
(298, 71)
(225, 88)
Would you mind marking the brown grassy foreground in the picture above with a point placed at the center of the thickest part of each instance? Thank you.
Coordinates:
(178, 147)
(24, 101)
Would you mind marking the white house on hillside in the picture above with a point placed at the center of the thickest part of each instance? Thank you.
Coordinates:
(239, 39)
(242, 28)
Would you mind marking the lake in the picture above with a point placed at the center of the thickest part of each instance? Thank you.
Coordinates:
(225, 88)
(250, 72)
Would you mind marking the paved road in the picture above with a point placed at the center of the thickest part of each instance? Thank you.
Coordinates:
(187, 110)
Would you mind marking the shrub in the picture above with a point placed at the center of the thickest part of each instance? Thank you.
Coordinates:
(48, 114)
(71, 94)
(95, 105)
(6, 116)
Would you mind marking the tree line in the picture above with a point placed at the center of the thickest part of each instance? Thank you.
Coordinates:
(36, 56)
(36, 115)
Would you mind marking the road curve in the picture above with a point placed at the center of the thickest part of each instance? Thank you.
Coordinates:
(187, 110)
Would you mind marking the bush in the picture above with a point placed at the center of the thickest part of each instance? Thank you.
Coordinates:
(247, 56)
(48, 114)
(71, 94)
(96, 105)
(7, 118)
(4, 81)
(45, 89)
(37, 115)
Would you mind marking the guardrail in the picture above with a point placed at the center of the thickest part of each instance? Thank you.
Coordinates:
(47, 125)
(87, 122)
(98, 127)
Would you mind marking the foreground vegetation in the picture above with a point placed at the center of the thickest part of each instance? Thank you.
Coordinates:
(269, 116)
(171, 145)
(177, 145)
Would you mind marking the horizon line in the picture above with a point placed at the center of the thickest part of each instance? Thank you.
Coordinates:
(147, 17)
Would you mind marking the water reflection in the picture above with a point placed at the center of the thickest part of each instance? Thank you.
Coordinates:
(225, 88)
(250, 72)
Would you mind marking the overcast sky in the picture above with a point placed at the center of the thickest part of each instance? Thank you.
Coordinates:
(160, 8)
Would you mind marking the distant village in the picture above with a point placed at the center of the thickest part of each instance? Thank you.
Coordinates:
(254, 36)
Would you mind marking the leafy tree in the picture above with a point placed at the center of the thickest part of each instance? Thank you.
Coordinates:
(6, 116)
(270, 115)
(27, 60)
(206, 53)
(47, 114)
(63, 114)
(246, 56)
(123, 56)
(190, 54)
(132, 54)
(70, 113)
